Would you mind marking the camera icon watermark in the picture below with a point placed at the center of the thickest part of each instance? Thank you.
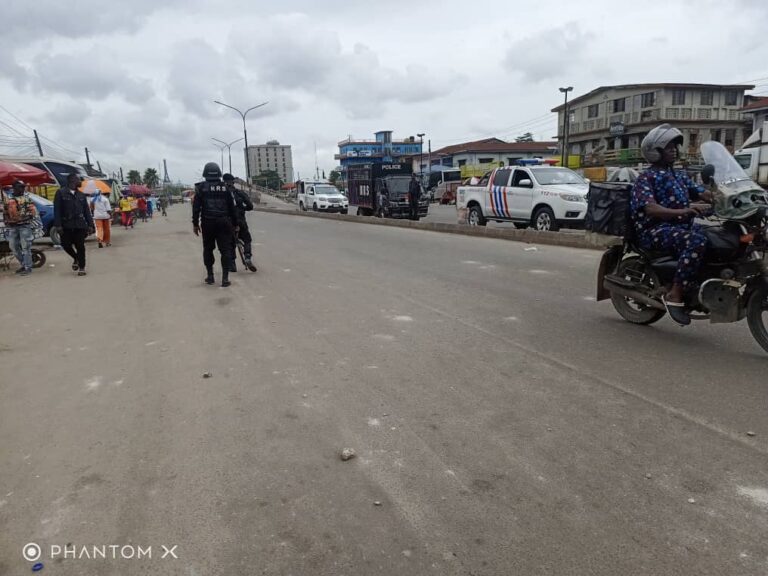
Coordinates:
(31, 552)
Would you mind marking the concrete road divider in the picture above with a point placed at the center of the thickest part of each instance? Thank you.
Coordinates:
(571, 240)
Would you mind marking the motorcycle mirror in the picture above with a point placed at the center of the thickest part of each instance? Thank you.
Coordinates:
(707, 174)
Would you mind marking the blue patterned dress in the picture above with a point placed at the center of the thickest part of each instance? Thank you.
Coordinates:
(681, 237)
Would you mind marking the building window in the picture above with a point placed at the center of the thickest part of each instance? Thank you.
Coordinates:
(678, 97)
(672, 113)
(685, 113)
(704, 113)
(730, 137)
(731, 97)
(485, 160)
(648, 100)
(619, 105)
(593, 110)
(462, 163)
(707, 97)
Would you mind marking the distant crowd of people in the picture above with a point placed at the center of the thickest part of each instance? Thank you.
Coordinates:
(76, 216)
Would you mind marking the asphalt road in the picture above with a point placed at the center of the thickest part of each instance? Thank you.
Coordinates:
(504, 422)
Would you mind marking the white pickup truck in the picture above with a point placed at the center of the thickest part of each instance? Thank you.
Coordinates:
(545, 197)
(320, 196)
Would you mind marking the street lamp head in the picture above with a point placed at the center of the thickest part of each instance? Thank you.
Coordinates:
(564, 90)
(420, 135)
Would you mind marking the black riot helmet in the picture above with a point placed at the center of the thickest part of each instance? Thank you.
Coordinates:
(211, 171)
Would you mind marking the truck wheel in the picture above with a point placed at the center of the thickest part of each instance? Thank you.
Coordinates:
(345, 211)
(359, 211)
(314, 207)
(475, 217)
(544, 220)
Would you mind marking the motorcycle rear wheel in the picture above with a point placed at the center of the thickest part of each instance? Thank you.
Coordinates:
(757, 315)
(635, 270)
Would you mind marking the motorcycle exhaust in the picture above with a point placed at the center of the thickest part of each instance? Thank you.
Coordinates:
(639, 297)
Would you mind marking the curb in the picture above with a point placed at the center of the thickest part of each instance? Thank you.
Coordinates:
(589, 240)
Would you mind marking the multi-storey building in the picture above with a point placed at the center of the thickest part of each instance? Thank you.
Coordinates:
(271, 156)
(382, 149)
(616, 118)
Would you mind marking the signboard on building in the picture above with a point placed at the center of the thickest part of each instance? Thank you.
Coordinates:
(616, 128)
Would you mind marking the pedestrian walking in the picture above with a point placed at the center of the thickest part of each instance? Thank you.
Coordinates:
(126, 212)
(214, 212)
(20, 215)
(73, 220)
(414, 196)
(141, 204)
(150, 206)
(163, 205)
(102, 217)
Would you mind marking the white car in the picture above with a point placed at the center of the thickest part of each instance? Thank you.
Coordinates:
(322, 198)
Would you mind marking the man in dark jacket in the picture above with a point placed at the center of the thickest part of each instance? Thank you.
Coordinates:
(214, 211)
(243, 204)
(414, 195)
(73, 220)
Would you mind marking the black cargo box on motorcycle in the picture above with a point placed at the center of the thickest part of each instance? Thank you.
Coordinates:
(608, 210)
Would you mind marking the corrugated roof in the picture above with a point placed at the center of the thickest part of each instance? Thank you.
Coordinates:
(758, 104)
(676, 85)
(495, 145)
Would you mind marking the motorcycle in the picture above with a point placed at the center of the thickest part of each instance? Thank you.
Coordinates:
(733, 281)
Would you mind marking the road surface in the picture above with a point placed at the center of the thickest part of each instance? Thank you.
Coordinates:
(504, 422)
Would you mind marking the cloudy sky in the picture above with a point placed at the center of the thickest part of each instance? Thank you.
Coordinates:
(135, 81)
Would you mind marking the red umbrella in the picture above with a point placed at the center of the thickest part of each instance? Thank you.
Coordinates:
(138, 190)
(10, 171)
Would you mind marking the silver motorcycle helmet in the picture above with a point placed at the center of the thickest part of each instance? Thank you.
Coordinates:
(658, 139)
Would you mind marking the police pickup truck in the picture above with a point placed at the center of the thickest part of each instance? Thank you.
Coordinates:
(545, 197)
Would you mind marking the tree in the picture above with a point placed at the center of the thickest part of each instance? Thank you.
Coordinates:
(134, 177)
(268, 179)
(334, 176)
(151, 179)
(527, 137)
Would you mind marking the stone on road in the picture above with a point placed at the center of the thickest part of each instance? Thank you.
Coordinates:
(506, 422)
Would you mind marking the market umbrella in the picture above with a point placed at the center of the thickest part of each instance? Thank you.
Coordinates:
(92, 186)
(11, 171)
(138, 190)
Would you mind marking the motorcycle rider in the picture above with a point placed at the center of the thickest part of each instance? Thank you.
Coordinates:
(214, 211)
(243, 204)
(663, 216)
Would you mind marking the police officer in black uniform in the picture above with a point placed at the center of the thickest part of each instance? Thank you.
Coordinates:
(214, 211)
(243, 204)
(414, 195)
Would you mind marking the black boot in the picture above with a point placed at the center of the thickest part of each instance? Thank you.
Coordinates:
(210, 279)
(225, 278)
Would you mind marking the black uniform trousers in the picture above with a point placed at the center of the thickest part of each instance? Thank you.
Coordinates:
(414, 212)
(217, 232)
(73, 243)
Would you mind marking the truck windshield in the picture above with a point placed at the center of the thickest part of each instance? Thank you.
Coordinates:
(397, 186)
(556, 176)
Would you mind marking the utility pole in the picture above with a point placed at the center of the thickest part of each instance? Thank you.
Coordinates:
(421, 156)
(98, 165)
(121, 174)
(37, 139)
(87, 158)
(564, 160)
(429, 160)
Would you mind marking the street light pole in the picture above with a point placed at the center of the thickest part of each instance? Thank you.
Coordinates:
(221, 149)
(229, 149)
(421, 156)
(245, 134)
(566, 126)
